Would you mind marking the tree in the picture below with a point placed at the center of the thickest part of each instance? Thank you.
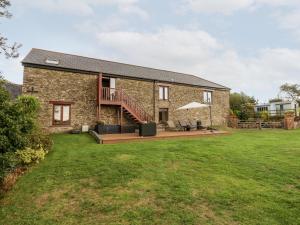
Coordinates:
(242, 105)
(238, 100)
(10, 51)
(292, 91)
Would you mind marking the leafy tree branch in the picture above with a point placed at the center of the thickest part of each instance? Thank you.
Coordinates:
(10, 51)
(292, 91)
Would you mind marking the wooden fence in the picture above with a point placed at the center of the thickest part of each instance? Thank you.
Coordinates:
(258, 124)
(289, 122)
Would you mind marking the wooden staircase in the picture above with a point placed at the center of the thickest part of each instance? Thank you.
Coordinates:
(130, 107)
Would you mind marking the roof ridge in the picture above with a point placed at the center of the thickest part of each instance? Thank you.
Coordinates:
(167, 73)
(128, 64)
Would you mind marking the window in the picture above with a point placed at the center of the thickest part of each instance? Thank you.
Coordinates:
(262, 108)
(61, 114)
(52, 61)
(163, 115)
(163, 93)
(207, 96)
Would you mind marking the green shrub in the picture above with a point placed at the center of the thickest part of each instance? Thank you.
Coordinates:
(40, 139)
(100, 123)
(242, 115)
(17, 121)
(8, 162)
(264, 115)
(29, 156)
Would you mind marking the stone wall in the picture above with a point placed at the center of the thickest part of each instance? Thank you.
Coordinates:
(147, 94)
(51, 85)
(139, 90)
(81, 89)
(111, 115)
(180, 95)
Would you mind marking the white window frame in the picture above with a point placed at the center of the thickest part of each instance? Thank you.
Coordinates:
(64, 114)
(208, 97)
(164, 93)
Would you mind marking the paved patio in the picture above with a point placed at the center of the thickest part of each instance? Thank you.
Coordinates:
(118, 138)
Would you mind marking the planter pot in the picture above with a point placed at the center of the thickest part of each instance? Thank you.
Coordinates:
(100, 129)
(128, 129)
(148, 129)
(108, 129)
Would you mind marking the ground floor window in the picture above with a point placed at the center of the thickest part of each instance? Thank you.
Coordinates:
(163, 115)
(262, 108)
(61, 114)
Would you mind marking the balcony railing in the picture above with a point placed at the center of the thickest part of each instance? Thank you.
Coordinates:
(118, 96)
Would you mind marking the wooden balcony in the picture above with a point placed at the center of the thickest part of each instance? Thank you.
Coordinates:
(112, 96)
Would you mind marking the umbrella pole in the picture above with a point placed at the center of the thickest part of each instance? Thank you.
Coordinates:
(210, 118)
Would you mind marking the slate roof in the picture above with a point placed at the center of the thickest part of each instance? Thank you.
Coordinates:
(67, 61)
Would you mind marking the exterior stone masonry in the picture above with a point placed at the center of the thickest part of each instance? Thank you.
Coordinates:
(51, 85)
(180, 95)
(81, 90)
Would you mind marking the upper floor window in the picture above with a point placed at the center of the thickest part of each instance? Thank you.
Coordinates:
(163, 93)
(61, 114)
(207, 97)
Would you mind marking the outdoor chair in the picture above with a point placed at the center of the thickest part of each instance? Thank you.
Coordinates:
(198, 125)
(184, 125)
(192, 124)
(173, 127)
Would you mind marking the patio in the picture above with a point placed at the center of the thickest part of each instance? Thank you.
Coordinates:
(119, 138)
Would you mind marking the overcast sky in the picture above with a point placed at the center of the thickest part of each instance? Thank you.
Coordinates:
(248, 45)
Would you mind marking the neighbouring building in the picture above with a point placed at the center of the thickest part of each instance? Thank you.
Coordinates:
(278, 107)
(75, 91)
(14, 89)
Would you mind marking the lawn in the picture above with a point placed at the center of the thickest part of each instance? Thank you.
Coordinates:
(249, 177)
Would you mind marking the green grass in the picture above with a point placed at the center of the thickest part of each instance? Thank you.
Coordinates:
(250, 177)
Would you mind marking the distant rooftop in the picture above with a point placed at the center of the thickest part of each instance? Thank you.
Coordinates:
(275, 101)
(39, 57)
(14, 89)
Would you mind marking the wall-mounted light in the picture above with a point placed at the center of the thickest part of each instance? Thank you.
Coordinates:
(32, 90)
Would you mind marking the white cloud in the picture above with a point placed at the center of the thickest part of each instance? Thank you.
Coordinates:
(230, 6)
(290, 21)
(287, 12)
(134, 9)
(167, 44)
(197, 52)
(83, 7)
(12, 69)
(111, 23)
(217, 6)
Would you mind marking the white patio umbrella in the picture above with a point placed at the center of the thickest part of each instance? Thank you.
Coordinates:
(197, 105)
(193, 105)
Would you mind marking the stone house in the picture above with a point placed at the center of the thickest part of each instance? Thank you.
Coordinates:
(75, 91)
